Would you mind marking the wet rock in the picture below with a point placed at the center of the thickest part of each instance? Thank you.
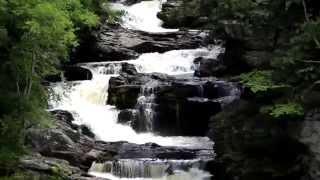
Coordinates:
(310, 132)
(117, 43)
(175, 103)
(185, 108)
(76, 73)
(249, 143)
(209, 67)
(41, 167)
(59, 141)
(124, 96)
(66, 141)
(85, 130)
(125, 150)
(129, 69)
(69, 73)
(127, 116)
(178, 14)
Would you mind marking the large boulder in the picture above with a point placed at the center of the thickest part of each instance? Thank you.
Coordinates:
(69, 73)
(209, 67)
(126, 150)
(35, 166)
(183, 14)
(169, 105)
(65, 141)
(76, 73)
(117, 43)
(249, 144)
(309, 135)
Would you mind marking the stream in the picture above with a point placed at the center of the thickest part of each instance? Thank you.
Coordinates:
(86, 100)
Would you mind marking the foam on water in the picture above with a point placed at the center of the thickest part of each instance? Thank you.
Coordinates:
(143, 16)
(151, 169)
(87, 99)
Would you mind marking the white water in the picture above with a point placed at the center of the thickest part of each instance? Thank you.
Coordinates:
(147, 168)
(191, 174)
(143, 16)
(87, 99)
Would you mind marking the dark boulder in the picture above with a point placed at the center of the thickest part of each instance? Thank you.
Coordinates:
(125, 150)
(124, 96)
(209, 67)
(249, 144)
(129, 69)
(170, 105)
(185, 108)
(182, 14)
(127, 116)
(70, 73)
(76, 73)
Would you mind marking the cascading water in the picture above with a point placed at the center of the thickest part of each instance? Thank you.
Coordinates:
(87, 101)
(152, 169)
(143, 16)
(145, 106)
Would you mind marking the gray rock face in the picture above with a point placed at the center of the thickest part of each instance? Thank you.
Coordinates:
(310, 136)
(43, 167)
(125, 150)
(117, 43)
(178, 13)
(67, 141)
(209, 67)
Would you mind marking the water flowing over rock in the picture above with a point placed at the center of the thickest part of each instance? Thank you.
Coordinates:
(117, 43)
(142, 88)
(146, 168)
(171, 105)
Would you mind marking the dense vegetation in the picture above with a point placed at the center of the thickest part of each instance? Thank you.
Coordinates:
(287, 34)
(277, 40)
(35, 37)
(274, 44)
(272, 48)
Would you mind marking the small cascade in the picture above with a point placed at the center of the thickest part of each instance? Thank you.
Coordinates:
(106, 69)
(149, 168)
(142, 16)
(145, 107)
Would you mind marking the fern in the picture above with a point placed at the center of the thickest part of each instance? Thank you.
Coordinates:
(259, 81)
(288, 110)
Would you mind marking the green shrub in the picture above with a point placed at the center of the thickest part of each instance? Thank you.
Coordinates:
(284, 111)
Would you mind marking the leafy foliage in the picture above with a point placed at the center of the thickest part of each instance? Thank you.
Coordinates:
(35, 37)
(288, 110)
(259, 81)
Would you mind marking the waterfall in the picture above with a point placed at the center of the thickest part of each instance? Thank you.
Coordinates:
(151, 169)
(142, 16)
(145, 106)
(86, 100)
